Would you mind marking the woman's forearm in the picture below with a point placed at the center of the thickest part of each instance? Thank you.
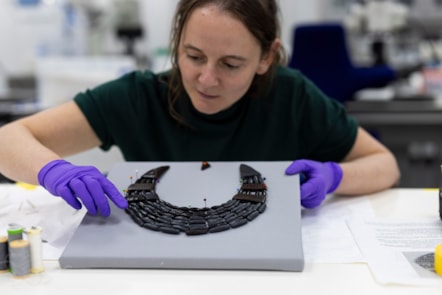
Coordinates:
(21, 154)
(28, 144)
(369, 174)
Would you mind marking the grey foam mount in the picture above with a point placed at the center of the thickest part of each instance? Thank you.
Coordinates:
(271, 241)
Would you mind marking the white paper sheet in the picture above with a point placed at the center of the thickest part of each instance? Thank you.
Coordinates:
(399, 251)
(34, 206)
(325, 233)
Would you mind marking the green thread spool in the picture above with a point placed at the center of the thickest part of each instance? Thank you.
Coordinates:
(15, 232)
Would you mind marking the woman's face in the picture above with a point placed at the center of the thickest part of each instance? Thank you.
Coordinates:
(218, 59)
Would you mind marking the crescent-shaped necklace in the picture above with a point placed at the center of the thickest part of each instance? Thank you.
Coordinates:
(149, 211)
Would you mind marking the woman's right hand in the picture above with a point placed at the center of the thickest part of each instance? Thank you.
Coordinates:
(81, 183)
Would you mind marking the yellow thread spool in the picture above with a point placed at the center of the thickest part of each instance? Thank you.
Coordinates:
(438, 259)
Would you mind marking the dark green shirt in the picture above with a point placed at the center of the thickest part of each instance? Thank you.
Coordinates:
(294, 120)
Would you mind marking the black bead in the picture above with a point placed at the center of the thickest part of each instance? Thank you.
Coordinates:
(238, 222)
(169, 230)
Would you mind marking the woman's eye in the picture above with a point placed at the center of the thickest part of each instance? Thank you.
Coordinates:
(194, 57)
(231, 66)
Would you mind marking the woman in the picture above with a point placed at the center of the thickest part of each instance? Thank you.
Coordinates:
(226, 98)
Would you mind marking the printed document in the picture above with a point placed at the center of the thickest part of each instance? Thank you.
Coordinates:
(399, 251)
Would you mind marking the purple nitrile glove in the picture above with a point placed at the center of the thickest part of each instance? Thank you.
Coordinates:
(86, 183)
(320, 180)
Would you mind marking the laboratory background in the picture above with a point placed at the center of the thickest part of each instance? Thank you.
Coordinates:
(380, 58)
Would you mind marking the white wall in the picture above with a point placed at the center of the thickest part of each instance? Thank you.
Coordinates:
(295, 12)
(23, 31)
(157, 19)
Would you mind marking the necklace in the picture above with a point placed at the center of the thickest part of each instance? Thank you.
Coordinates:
(149, 211)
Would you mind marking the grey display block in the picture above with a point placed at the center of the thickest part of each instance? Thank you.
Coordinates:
(272, 241)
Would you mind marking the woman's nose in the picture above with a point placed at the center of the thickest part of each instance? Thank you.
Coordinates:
(208, 76)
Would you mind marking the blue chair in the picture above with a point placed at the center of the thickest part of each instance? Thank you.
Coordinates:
(320, 52)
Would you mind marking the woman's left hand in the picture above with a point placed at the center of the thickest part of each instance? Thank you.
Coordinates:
(320, 180)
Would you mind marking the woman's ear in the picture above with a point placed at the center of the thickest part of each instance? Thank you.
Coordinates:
(268, 58)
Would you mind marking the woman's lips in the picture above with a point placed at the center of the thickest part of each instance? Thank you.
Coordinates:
(207, 96)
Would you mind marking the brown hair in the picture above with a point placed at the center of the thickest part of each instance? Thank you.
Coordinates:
(260, 17)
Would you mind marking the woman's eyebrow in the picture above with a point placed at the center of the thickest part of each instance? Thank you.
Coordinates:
(236, 57)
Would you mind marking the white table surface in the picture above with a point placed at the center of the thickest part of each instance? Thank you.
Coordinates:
(317, 278)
